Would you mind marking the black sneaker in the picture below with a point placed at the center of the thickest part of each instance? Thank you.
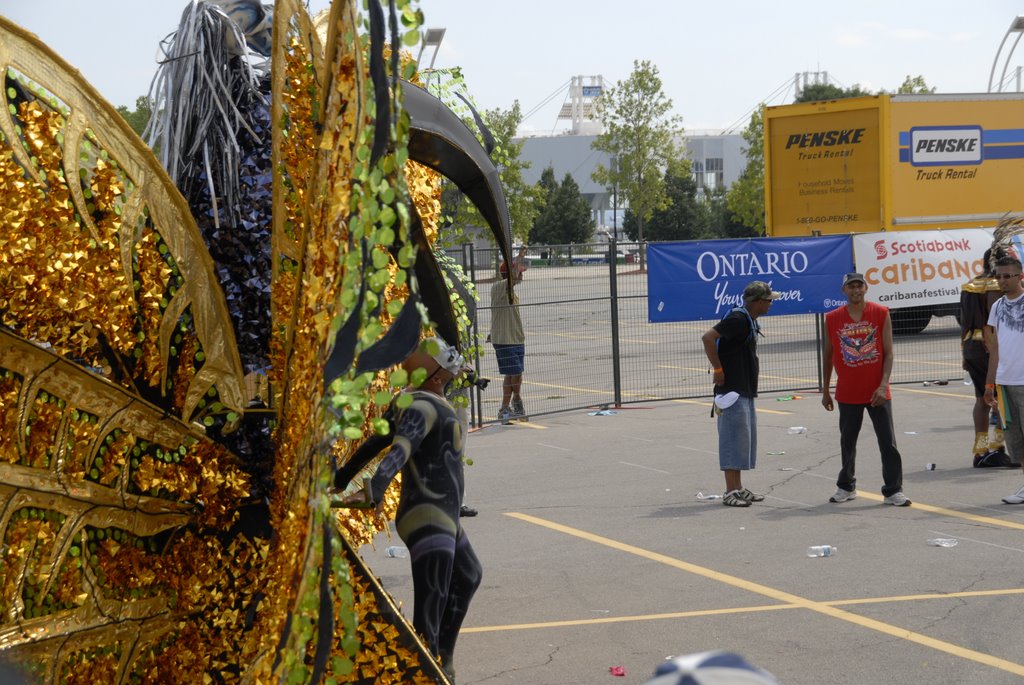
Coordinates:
(750, 496)
(994, 459)
(465, 511)
(518, 411)
(733, 498)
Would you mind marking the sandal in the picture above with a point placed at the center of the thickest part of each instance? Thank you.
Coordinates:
(734, 498)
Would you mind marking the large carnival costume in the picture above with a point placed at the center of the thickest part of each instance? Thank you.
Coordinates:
(180, 373)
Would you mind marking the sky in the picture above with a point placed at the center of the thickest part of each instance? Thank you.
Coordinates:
(717, 60)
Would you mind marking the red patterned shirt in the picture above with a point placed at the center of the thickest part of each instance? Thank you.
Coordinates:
(857, 352)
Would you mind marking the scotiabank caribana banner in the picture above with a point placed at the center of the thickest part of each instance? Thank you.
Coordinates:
(910, 268)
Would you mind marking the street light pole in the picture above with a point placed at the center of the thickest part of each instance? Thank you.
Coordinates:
(431, 39)
(1016, 26)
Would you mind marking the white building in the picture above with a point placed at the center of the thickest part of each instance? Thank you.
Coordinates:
(718, 159)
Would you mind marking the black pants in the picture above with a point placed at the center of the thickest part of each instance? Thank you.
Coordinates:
(851, 417)
(445, 574)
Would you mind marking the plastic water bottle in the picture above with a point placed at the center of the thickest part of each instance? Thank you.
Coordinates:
(821, 551)
(701, 495)
(396, 552)
(796, 430)
(943, 542)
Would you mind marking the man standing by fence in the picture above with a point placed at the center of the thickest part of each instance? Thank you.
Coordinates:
(858, 345)
(731, 347)
(1005, 337)
(509, 341)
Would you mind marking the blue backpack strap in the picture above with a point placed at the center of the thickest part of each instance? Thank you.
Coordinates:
(754, 329)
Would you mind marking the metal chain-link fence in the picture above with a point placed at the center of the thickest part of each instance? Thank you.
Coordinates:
(589, 344)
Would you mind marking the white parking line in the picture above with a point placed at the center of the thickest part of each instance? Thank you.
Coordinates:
(980, 542)
(648, 468)
(694, 449)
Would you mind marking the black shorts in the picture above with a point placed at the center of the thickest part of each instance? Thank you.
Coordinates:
(976, 364)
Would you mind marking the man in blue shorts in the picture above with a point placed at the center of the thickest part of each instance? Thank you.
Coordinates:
(509, 343)
(731, 347)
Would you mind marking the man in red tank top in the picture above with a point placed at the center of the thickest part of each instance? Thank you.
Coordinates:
(858, 345)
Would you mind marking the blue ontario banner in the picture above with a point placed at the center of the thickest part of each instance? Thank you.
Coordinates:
(691, 281)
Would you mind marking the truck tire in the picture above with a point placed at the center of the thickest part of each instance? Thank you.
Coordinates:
(910, 320)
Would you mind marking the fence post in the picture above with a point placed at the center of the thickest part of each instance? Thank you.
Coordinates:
(476, 414)
(613, 284)
(819, 343)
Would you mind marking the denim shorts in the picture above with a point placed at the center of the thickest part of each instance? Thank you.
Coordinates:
(511, 359)
(737, 436)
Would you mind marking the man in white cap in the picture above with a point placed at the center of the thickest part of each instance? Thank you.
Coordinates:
(858, 345)
(426, 446)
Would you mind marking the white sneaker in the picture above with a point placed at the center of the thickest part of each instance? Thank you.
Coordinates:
(842, 496)
(1015, 498)
(898, 499)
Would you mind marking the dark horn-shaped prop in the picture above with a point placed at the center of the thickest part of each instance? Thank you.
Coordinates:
(439, 139)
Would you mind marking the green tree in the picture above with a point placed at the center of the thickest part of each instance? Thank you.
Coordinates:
(684, 218)
(721, 221)
(914, 84)
(640, 134)
(545, 189)
(745, 198)
(566, 217)
(827, 91)
(139, 117)
(546, 186)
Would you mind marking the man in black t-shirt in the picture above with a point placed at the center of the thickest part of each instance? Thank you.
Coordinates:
(731, 347)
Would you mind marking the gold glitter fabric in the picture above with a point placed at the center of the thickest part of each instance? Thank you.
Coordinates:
(121, 558)
(390, 650)
(298, 75)
(99, 257)
(96, 488)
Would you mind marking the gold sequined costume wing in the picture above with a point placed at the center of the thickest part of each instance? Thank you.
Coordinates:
(116, 352)
(126, 559)
(101, 258)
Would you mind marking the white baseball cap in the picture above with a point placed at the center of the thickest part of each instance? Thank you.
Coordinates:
(447, 356)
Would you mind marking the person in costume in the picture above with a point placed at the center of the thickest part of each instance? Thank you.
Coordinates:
(426, 445)
(976, 299)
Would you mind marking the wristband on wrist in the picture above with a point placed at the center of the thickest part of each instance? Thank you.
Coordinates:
(717, 369)
(989, 385)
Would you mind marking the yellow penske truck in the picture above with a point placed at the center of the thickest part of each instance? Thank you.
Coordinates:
(896, 163)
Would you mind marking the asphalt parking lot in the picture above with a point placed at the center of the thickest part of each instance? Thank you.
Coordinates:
(597, 552)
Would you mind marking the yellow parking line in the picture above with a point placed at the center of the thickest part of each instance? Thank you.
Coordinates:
(577, 336)
(807, 381)
(988, 520)
(627, 619)
(699, 613)
(530, 424)
(931, 595)
(782, 596)
(935, 392)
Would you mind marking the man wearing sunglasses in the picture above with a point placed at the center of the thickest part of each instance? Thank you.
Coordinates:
(1004, 335)
(731, 348)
